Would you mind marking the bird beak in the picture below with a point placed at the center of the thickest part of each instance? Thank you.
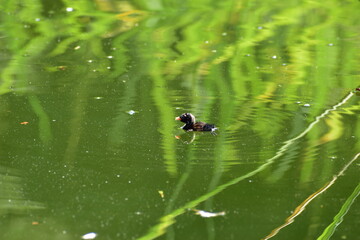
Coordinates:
(177, 118)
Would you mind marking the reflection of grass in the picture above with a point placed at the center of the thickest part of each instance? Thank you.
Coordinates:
(329, 231)
(44, 121)
(338, 218)
(169, 219)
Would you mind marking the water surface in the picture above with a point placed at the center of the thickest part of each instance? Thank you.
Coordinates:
(89, 93)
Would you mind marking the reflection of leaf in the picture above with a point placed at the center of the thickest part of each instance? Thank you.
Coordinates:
(336, 128)
(131, 16)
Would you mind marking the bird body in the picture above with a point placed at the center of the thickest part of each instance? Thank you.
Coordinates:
(192, 125)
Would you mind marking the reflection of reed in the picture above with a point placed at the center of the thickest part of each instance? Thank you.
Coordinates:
(329, 231)
(160, 98)
(302, 206)
(169, 219)
(44, 121)
(13, 199)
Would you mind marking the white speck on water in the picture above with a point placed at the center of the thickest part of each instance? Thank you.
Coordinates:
(97, 98)
(306, 105)
(90, 61)
(247, 55)
(77, 48)
(129, 182)
(109, 57)
(90, 235)
(69, 9)
(206, 42)
(330, 44)
(284, 64)
(260, 27)
(131, 112)
(108, 67)
(214, 51)
(274, 57)
(37, 19)
(118, 175)
(224, 33)
(206, 214)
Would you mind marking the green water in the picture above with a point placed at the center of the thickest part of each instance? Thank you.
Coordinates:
(88, 95)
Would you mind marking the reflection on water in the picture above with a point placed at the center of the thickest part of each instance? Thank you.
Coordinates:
(88, 138)
(13, 199)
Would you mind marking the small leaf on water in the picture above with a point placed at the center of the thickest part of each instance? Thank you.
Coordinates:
(162, 195)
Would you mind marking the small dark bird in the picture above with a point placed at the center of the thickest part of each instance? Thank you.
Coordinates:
(191, 125)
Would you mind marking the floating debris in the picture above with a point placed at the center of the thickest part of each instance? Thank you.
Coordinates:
(205, 214)
(306, 105)
(90, 235)
(131, 112)
(77, 48)
(24, 123)
(162, 195)
(62, 68)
